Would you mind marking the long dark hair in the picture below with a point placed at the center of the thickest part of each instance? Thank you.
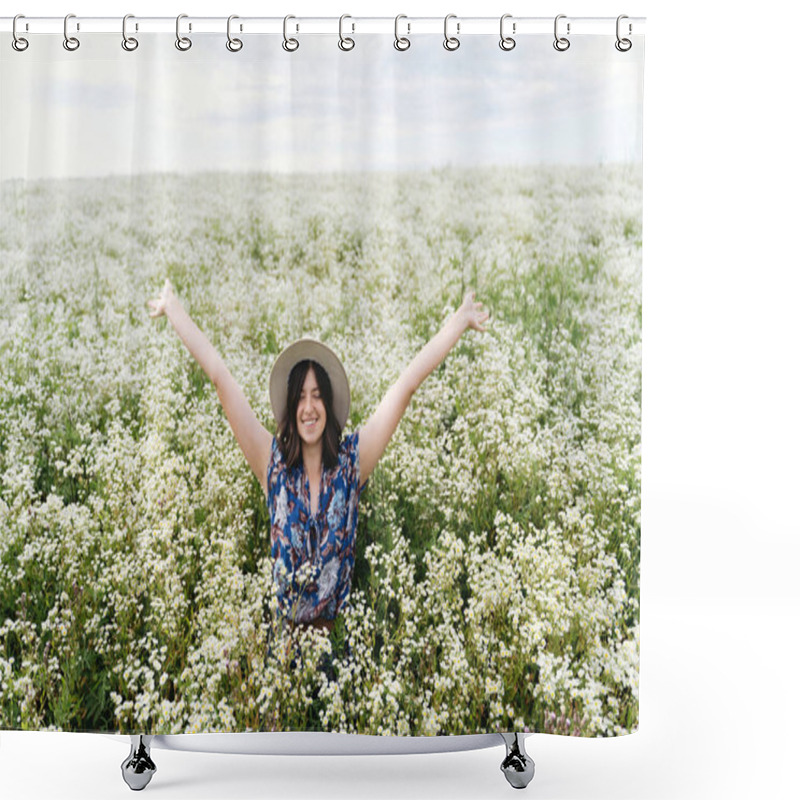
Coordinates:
(289, 439)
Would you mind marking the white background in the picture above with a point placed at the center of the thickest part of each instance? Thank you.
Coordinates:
(719, 710)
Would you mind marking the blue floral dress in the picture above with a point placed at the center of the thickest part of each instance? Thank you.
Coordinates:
(313, 555)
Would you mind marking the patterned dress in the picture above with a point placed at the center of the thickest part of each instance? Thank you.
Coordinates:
(313, 554)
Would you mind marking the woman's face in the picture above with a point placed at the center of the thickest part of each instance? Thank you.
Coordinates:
(311, 416)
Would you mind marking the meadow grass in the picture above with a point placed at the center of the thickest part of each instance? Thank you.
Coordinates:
(496, 584)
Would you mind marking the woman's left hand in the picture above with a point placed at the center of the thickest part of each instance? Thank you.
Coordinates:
(471, 313)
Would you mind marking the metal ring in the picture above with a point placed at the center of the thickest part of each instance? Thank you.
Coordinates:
(19, 43)
(623, 45)
(345, 43)
(401, 43)
(561, 43)
(128, 42)
(450, 42)
(234, 45)
(183, 43)
(506, 42)
(70, 42)
(289, 45)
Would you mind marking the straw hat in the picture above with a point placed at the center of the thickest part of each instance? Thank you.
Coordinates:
(315, 351)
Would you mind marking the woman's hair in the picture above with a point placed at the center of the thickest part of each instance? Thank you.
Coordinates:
(289, 439)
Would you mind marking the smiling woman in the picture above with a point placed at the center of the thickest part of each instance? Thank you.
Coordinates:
(313, 478)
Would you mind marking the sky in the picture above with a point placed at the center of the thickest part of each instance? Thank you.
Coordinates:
(101, 110)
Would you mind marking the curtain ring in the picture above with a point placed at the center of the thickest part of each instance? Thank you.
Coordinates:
(128, 42)
(70, 42)
(345, 43)
(289, 45)
(183, 43)
(451, 42)
(506, 42)
(623, 45)
(18, 42)
(401, 43)
(234, 45)
(561, 43)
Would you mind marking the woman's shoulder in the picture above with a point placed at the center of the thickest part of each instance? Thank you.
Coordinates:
(349, 442)
(348, 450)
(275, 450)
(276, 462)
(349, 460)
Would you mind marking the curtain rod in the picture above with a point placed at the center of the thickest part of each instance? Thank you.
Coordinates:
(461, 26)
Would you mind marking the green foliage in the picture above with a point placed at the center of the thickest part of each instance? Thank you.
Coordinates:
(135, 551)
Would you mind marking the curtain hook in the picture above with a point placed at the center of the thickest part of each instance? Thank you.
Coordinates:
(70, 42)
(18, 42)
(623, 45)
(234, 45)
(346, 43)
(289, 45)
(506, 42)
(561, 43)
(183, 43)
(451, 42)
(401, 43)
(128, 42)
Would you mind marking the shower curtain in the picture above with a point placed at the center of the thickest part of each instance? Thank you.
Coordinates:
(388, 197)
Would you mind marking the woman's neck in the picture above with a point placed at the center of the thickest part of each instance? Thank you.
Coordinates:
(312, 458)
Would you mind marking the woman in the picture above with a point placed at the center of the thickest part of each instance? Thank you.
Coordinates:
(312, 478)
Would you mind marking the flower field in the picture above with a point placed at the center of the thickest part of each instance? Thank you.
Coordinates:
(496, 584)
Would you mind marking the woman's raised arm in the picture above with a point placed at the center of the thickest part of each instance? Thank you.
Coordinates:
(253, 438)
(380, 427)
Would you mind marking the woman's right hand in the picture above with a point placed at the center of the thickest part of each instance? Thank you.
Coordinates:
(159, 305)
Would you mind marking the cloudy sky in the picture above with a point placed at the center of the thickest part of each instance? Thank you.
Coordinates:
(101, 110)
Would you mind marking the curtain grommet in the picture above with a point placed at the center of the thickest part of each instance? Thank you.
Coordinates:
(401, 43)
(19, 43)
(289, 44)
(451, 43)
(561, 43)
(182, 43)
(346, 43)
(129, 43)
(507, 42)
(71, 43)
(233, 44)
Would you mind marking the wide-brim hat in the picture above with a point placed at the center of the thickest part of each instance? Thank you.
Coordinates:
(314, 351)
